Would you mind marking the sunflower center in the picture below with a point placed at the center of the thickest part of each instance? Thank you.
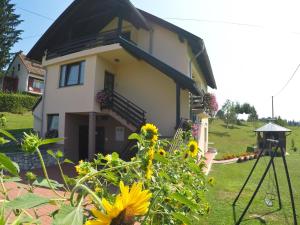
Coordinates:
(192, 148)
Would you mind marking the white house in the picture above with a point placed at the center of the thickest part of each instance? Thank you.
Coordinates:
(23, 75)
(112, 67)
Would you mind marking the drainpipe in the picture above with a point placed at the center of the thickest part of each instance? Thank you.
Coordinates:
(44, 99)
(190, 70)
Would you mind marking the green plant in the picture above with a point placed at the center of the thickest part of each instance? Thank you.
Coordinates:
(3, 121)
(16, 102)
(293, 147)
(155, 187)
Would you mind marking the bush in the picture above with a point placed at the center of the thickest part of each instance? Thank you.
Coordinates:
(16, 102)
(250, 149)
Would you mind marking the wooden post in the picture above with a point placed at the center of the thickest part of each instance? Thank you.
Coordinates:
(92, 134)
(120, 24)
(177, 105)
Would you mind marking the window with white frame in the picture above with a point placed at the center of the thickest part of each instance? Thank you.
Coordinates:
(72, 74)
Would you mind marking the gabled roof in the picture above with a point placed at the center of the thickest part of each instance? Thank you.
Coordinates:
(86, 17)
(272, 127)
(31, 66)
(181, 79)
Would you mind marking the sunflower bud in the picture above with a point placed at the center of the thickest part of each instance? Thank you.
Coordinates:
(30, 143)
(30, 176)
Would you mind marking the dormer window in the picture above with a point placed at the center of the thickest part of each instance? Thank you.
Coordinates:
(72, 74)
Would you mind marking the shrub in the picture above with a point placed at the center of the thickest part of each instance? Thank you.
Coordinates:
(250, 149)
(16, 102)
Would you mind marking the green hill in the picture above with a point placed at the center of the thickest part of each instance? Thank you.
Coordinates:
(234, 140)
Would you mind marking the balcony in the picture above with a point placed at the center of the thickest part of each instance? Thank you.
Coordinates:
(86, 42)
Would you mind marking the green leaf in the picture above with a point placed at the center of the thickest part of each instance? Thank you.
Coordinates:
(135, 136)
(68, 215)
(42, 182)
(12, 179)
(182, 218)
(27, 201)
(59, 154)
(193, 167)
(68, 161)
(182, 199)
(24, 219)
(8, 165)
(50, 141)
(160, 158)
(7, 134)
(50, 152)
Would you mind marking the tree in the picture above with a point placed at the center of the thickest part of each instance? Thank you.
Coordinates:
(253, 114)
(9, 34)
(220, 114)
(229, 110)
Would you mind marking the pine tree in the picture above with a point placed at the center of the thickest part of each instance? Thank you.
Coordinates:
(9, 34)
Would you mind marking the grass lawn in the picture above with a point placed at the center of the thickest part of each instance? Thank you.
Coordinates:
(16, 125)
(236, 139)
(229, 180)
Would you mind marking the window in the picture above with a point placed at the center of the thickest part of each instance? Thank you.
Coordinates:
(19, 67)
(120, 132)
(35, 85)
(38, 84)
(52, 125)
(72, 74)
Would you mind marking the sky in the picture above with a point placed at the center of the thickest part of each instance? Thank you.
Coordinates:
(253, 45)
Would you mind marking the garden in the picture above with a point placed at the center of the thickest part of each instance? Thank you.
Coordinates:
(155, 187)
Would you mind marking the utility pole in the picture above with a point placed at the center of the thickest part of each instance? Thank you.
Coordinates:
(272, 107)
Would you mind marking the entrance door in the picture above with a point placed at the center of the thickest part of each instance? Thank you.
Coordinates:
(84, 141)
(109, 81)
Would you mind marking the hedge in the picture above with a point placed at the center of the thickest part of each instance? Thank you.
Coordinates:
(16, 102)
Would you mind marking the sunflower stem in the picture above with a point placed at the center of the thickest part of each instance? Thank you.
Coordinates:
(46, 174)
(89, 191)
(89, 175)
(152, 203)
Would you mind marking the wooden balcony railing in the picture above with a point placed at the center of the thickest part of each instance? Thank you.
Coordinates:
(83, 43)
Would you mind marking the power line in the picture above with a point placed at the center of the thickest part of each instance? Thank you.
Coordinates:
(216, 21)
(289, 80)
(36, 14)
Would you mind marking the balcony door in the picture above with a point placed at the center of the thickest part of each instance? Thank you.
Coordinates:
(109, 81)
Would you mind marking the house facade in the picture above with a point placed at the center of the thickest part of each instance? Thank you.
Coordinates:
(112, 69)
(23, 75)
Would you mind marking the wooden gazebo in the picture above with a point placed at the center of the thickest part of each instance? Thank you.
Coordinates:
(271, 131)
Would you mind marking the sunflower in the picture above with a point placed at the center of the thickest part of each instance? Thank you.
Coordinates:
(162, 152)
(82, 168)
(149, 170)
(193, 148)
(150, 131)
(129, 203)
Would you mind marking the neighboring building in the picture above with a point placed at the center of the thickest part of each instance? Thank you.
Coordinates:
(23, 75)
(148, 68)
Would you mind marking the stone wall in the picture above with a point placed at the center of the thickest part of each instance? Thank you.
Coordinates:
(31, 161)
